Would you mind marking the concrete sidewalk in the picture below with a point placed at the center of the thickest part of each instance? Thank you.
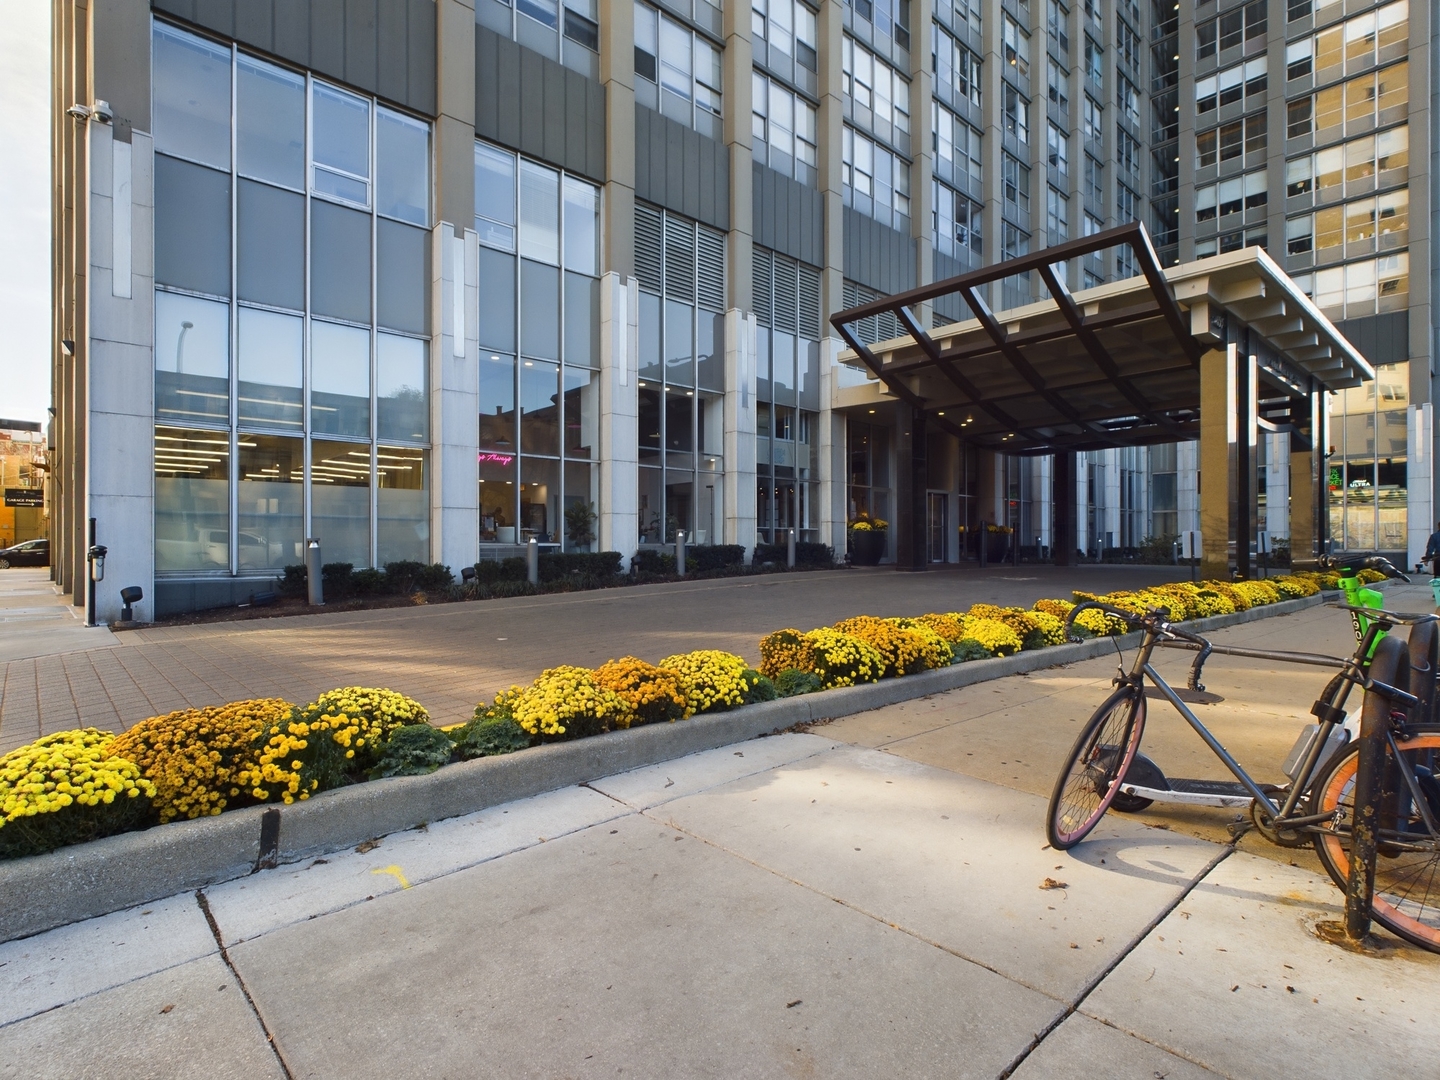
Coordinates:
(801, 905)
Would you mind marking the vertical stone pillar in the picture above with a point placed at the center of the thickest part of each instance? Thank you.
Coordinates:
(1242, 507)
(1302, 503)
(922, 168)
(619, 509)
(454, 396)
(1420, 479)
(455, 122)
(911, 480)
(832, 467)
(617, 75)
(1065, 539)
(829, 124)
(1217, 435)
(740, 490)
(736, 126)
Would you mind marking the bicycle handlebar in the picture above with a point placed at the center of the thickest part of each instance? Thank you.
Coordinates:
(1369, 562)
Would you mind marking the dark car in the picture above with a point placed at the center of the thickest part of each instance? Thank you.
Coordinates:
(30, 553)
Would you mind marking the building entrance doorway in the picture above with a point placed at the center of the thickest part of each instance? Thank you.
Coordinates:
(938, 530)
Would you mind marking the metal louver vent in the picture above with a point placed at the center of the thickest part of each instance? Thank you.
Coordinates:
(648, 259)
(679, 259)
(710, 283)
(762, 268)
(784, 294)
(809, 303)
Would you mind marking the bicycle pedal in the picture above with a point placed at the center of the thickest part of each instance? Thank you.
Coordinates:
(1238, 828)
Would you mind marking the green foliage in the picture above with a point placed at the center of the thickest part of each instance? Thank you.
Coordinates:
(580, 523)
(336, 579)
(492, 731)
(502, 589)
(792, 682)
(650, 561)
(369, 582)
(715, 556)
(761, 688)
(491, 571)
(413, 750)
(557, 565)
(970, 649)
(294, 581)
(806, 554)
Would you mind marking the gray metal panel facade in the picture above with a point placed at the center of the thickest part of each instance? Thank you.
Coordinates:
(532, 104)
(877, 255)
(680, 169)
(1381, 339)
(789, 217)
(949, 307)
(385, 47)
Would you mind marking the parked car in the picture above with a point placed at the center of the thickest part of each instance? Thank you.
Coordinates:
(30, 553)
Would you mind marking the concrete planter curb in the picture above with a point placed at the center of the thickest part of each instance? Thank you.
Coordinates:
(81, 882)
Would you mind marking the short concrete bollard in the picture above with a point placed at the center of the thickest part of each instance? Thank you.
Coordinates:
(313, 572)
(532, 561)
(680, 552)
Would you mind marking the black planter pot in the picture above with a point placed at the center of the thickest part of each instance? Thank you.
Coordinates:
(997, 546)
(867, 547)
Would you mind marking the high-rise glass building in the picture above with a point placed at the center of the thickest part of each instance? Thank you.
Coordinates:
(426, 279)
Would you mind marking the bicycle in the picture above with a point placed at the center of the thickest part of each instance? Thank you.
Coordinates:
(1317, 805)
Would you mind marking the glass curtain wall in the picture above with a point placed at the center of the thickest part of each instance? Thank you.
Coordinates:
(540, 352)
(291, 381)
(1368, 462)
(567, 31)
(681, 268)
(787, 307)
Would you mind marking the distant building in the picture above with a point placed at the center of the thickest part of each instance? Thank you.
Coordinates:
(23, 513)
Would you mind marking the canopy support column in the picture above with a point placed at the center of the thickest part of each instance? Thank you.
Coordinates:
(912, 478)
(1064, 535)
(1217, 428)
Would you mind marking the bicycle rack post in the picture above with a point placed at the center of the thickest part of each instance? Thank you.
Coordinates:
(1390, 665)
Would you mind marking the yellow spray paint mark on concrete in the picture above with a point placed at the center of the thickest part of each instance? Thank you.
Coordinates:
(395, 872)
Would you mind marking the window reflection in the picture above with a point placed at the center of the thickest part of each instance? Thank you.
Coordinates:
(192, 499)
(402, 505)
(192, 359)
(270, 521)
(340, 500)
(271, 366)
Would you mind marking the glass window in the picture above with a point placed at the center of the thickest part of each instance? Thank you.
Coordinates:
(710, 350)
(679, 425)
(497, 497)
(539, 305)
(270, 518)
(651, 366)
(782, 368)
(649, 424)
(340, 500)
(539, 213)
(539, 408)
(582, 413)
(339, 262)
(582, 320)
(402, 167)
(495, 196)
(540, 501)
(497, 300)
(192, 500)
(402, 294)
(582, 488)
(190, 94)
(497, 403)
(340, 143)
(402, 408)
(339, 380)
(192, 226)
(402, 511)
(270, 235)
(270, 122)
(582, 216)
(679, 344)
(192, 359)
(271, 369)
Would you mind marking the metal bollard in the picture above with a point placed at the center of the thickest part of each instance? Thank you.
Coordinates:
(680, 552)
(790, 549)
(532, 561)
(313, 572)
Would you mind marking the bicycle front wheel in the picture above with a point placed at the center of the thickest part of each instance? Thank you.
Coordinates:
(1407, 866)
(1090, 778)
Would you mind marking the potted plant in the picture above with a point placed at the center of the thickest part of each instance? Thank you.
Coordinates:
(997, 542)
(867, 540)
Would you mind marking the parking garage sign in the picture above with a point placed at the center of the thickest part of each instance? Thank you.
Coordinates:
(24, 497)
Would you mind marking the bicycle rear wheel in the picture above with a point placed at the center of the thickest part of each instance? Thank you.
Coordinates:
(1407, 868)
(1090, 778)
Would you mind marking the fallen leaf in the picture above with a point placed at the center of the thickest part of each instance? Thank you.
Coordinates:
(166, 1009)
(792, 1004)
(1051, 883)
(669, 782)
(368, 845)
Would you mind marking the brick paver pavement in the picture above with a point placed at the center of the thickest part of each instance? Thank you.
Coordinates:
(450, 656)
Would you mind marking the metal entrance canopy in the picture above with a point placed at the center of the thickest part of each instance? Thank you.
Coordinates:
(1114, 365)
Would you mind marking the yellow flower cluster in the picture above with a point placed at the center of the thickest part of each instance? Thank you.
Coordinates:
(1051, 627)
(869, 525)
(902, 650)
(951, 627)
(568, 702)
(194, 757)
(1059, 608)
(842, 660)
(995, 635)
(785, 649)
(935, 649)
(330, 742)
(653, 695)
(713, 679)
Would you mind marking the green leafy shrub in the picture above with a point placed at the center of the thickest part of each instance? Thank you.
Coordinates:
(294, 582)
(336, 579)
(490, 571)
(369, 582)
(761, 688)
(413, 750)
(793, 682)
(715, 556)
(502, 589)
(970, 649)
(493, 731)
(651, 561)
(555, 565)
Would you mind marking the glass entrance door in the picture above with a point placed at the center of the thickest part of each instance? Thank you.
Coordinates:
(937, 506)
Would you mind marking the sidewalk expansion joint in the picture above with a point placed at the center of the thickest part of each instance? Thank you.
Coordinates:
(204, 903)
(1105, 972)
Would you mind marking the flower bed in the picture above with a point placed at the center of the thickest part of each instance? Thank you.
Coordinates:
(81, 785)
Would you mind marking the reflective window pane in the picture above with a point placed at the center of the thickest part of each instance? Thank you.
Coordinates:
(539, 409)
(582, 413)
(402, 510)
(679, 344)
(782, 368)
(652, 506)
(402, 263)
(651, 366)
(807, 373)
(582, 320)
(582, 488)
(495, 196)
(582, 217)
(497, 405)
(190, 95)
(340, 501)
(340, 138)
(192, 500)
(539, 310)
(497, 498)
(540, 500)
(339, 380)
(402, 167)
(710, 350)
(497, 300)
(402, 410)
(649, 424)
(192, 359)
(270, 122)
(679, 419)
(270, 505)
(270, 234)
(539, 213)
(339, 262)
(192, 226)
(271, 365)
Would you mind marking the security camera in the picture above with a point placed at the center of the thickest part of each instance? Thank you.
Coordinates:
(79, 112)
(102, 112)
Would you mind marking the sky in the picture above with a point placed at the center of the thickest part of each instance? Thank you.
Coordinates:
(25, 210)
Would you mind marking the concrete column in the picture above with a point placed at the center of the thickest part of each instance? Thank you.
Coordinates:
(1043, 472)
(922, 150)
(1186, 477)
(911, 480)
(1066, 539)
(1302, 504)
(1277, 485)
(617, 74)
(1217, 435)
(738, 64)
(740, 483)
(1420, 479)
(619, 507)
(829, 125)
(455, 122)
(454, 396)
(832, 468)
